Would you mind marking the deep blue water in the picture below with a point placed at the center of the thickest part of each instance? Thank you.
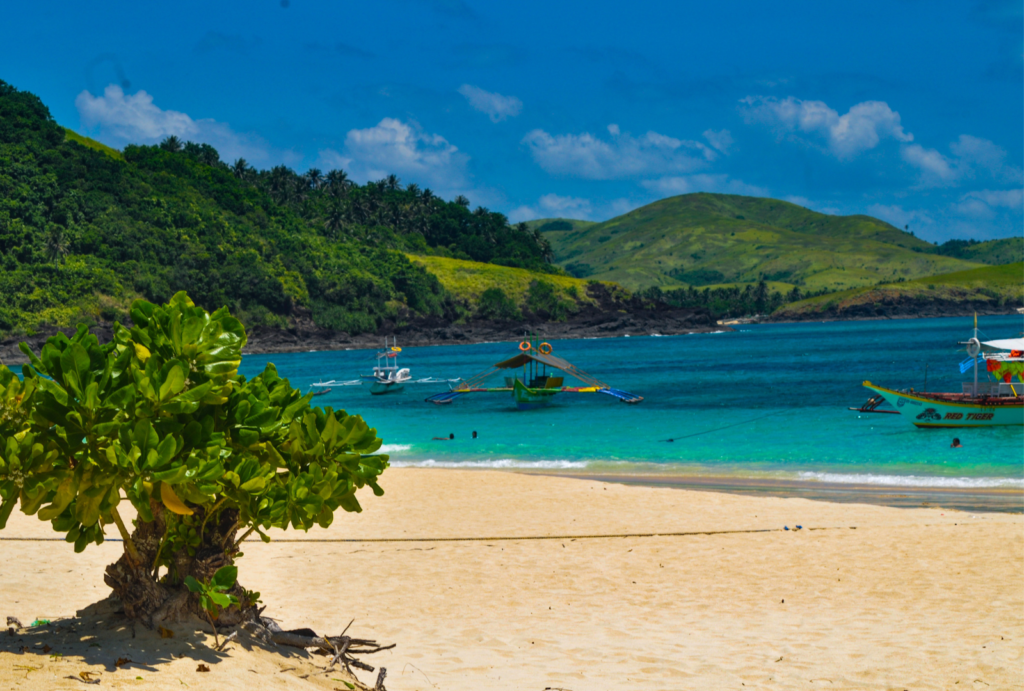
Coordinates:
(782, 391)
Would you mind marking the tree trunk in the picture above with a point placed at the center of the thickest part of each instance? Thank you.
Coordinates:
(152, 600)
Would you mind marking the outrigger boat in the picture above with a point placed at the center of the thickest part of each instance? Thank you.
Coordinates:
(980, 404)
(388, 378)
(535, 386)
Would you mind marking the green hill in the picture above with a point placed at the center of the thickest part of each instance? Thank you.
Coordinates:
(712, 239)
(1005, 251)
(990, 289)
(85, 229)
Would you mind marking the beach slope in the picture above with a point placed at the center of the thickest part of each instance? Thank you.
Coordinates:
(492, 580)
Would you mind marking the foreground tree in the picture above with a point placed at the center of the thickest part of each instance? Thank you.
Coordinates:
(160, 416)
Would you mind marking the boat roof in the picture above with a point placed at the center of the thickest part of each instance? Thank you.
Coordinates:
(1006, 344)
(522, 358)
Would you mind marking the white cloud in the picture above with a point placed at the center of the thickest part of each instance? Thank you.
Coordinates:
(936, 169)
(985, 204)
(860, 129)
(553, 205)
(134, 119)
(971, 157)
(402, 149)
(686, 184)
(587, 156)
(495, 105)
(721, 140)
(898, 216)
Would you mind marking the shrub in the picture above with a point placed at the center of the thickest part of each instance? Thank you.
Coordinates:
(494, 304)
(161, 416)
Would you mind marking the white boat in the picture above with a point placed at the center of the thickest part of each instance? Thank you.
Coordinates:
(979, 404)
(388, 377)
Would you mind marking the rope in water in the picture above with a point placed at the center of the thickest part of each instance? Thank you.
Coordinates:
(507, 538)
(719, 429)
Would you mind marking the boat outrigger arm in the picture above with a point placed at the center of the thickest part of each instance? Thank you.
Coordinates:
(538, 390)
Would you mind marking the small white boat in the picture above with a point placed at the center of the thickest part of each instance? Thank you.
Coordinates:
(388, 377)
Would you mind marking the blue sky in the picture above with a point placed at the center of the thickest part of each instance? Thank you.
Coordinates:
(908, 110)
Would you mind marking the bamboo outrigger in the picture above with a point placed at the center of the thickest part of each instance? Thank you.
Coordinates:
(534, 387)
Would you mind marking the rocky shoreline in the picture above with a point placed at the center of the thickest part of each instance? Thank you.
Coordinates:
(896, 307)
(305, 337)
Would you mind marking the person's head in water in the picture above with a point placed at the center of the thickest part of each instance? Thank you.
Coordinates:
(956, 443)
(452, 435)
(474, 434)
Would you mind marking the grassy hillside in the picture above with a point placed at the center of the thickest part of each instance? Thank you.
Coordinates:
(467, 280)
(72, 136)
(712, 239)
(995, 287)
(556, 225)
(1005, 251)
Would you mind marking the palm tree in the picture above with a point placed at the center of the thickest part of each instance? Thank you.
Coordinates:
(335, 221)
(172, 144)
(392, 183)
(315, 177)
(462, 201)
(338, 182)
(413, 189)
(56, 244)
(241, 169)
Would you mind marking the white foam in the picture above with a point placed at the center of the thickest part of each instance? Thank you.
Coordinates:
(914, 480)
(394, 448)
(496, 463)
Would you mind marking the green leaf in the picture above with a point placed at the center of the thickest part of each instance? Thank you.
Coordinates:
(220, 599)
(174, 383)
(225, 577)
(193, 585)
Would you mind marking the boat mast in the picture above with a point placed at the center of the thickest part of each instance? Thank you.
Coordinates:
(976, 356)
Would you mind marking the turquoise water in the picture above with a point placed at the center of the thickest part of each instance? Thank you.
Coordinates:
(781, 392)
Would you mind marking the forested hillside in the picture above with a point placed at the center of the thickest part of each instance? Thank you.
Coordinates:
(85, 229)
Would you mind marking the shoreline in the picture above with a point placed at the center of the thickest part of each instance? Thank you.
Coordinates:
(1008, 500)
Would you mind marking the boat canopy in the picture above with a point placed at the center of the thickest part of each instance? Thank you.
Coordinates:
(1006, 344)
(534, 356)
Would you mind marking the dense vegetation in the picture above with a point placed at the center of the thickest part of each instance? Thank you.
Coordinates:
(991, 288)
(1005, 251)
(83, 233)
(699, 240)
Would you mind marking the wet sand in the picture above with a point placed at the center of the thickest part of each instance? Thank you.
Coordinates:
(494, 580)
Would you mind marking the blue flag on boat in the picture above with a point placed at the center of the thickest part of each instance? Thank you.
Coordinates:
(966, 365)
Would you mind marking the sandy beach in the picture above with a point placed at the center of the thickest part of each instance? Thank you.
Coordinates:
(495, 580)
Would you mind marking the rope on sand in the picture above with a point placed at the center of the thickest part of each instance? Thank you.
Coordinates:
(505, 538)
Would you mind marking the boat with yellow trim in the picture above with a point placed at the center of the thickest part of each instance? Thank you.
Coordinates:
(979, 404)
(535, 386)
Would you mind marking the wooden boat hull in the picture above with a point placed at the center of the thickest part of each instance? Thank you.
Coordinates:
(529, 399)
(379, 388)
(924, 410)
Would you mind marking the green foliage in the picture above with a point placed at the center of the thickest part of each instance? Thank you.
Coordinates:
(160, 414)
(494, 304)
(81, 224)
(699, 277)
(1005, 251)
(744, 240)
(544, 300)
(1000, 286)
(213, 593)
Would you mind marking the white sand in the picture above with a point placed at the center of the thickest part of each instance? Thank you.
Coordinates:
(919, 599)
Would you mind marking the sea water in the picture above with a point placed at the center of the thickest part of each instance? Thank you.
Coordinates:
(763, 401)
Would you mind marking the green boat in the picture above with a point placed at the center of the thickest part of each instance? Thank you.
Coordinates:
(536, 378)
